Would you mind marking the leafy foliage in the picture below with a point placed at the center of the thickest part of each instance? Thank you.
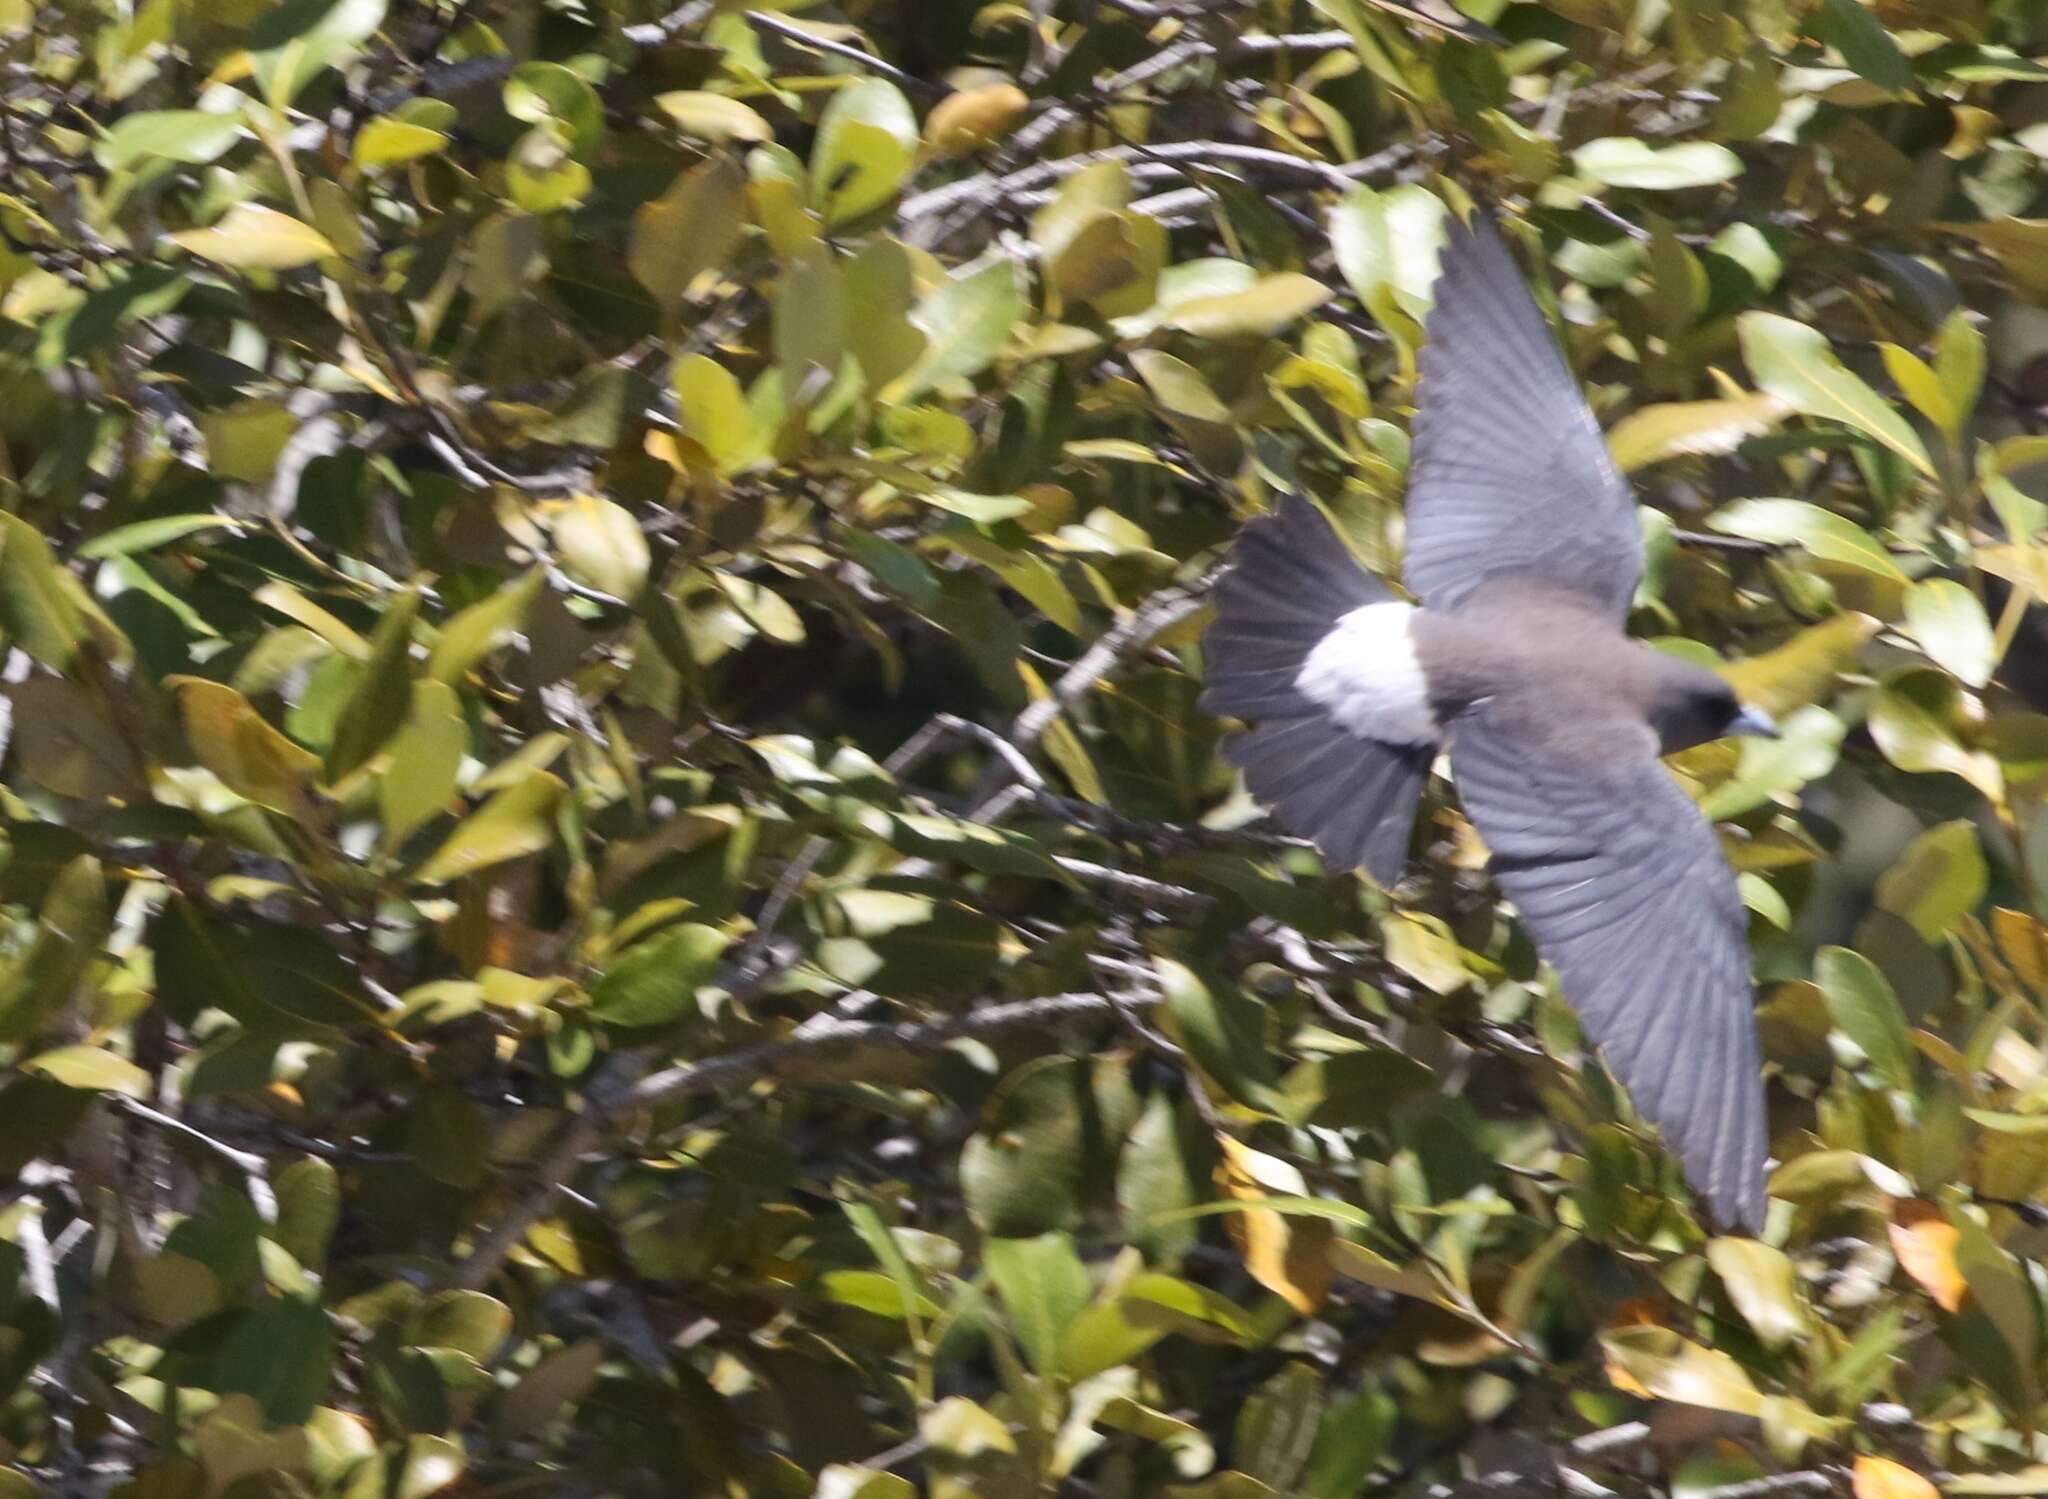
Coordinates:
(614, 881)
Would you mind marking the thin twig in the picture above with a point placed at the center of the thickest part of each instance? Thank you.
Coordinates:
(254, 1168)
(803, 37)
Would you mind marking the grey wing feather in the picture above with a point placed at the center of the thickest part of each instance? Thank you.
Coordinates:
(1623, 885)
(1292, 580)
(1511, 473)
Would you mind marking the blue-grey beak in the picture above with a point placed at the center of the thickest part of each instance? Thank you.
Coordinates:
(1756, 722)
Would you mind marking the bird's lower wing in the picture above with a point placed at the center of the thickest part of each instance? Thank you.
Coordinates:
(1624, 887)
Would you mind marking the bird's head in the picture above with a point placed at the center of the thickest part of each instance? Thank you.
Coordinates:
(1690, 705)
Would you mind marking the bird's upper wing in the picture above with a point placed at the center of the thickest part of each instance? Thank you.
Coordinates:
(1511, 473)
(1624, 887)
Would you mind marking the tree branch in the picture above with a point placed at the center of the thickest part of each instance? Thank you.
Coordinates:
(834, 1051)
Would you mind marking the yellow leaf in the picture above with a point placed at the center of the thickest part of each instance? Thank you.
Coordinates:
(965, 122)
(1925, 1243)
(2024, 943)
(1881, 1478)
(252, 237)
(237, 743)
(1288, 1256)
(517, 821)
(1677, 428)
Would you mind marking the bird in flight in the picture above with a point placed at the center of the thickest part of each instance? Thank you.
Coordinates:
(1525, 550)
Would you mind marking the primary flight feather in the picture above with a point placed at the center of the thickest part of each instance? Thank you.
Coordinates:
(1524, 548)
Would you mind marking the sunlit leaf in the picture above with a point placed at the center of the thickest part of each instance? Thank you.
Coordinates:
(1792, 361)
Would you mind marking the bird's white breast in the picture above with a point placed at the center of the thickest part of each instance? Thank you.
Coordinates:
(1365, 674)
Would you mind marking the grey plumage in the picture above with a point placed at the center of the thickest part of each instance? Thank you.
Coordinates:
(1524, 548)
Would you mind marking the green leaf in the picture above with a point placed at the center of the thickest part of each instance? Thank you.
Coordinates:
(1276, 1426)
(383, 696)
(252, 237)
(1803, 669)
(552, 94)
(1626, 161)
(1222, 1028)
(1950, 625)
(656, 981)
(1387, 244)
(1044, 1286)
(1960, 359)
(282, 1352)
(148, 535)
(93, 1068)
(1792, 360)
(543, 173)
(1865, 43)
(482, 628)
(516, 821)
(713, 412)
(864, 150)
(418, 784)
(264, 975)
(308, 1208)
(1764, 1285)
(191, 136)
(1865, 1010)
(1045, 1132)
(467, 1321)
(42, 608)
(1829, 536)
(1940, 879)
(294, 42)
(966, 321)
(1923, 722)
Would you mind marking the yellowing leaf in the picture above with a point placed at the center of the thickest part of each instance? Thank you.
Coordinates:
(1680, 428)
(238, 744)
(252, 237)
(2023, 942)
(1288, 1256)
(1265, 307)
(714, 117)
(689, 230)
(965, 122)
(481, 628)
(1925, 1243)
(1671, 1368)
(1802, 670)
(602, 546)
(516, 821)
(389, 143)
(1764, 1286)
(1881, 1478)
(90, 1067)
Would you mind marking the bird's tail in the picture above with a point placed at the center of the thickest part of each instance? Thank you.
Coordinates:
(1292, 581)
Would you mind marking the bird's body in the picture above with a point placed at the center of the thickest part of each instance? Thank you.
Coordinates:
(1524, 547)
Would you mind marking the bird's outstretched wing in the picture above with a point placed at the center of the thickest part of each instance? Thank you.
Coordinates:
(1511, 473)
(1623, 885)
